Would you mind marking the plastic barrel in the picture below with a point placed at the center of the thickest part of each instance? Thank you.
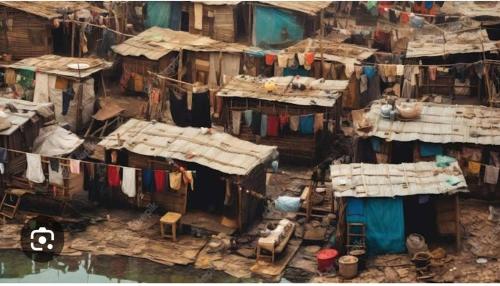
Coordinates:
(326, 258)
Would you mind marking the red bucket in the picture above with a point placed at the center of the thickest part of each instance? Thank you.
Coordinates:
(326, 259)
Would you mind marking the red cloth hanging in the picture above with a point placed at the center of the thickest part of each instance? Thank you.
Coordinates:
(270, 59)
(405, 17)
(113, 176)
(273, 123)
(160, 181)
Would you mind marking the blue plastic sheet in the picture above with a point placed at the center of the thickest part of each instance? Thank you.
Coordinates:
(164, 14)
(384, 222)
(287, 204)
(275, 26)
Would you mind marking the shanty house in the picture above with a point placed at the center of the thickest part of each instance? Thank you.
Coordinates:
(295, 100)
(69, 83)
(393, 201)
(468, 133)
(229, 173)
(32, 29)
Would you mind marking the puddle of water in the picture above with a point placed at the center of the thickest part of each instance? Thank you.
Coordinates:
(88, 268)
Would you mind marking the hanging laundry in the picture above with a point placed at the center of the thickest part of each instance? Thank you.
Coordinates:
(306, 124)
(282, 60)
(405, 17)
(10, 76)
(410, 80)
(358, 70)
(34, 171)
(491, 174)
(175, 179)
(371, 5)
(309, 58)
(187, 177)
(400, 70)
(393, 18)
(263, 125)
(189, 100)
(284, 124)
(200, 112)
(428, 4)
(128, 182)
(301, 58)
(432, 70)
(270, 59)
(236, 120)
(198, 16)
(114, 156)
(4, 155)
(113, 173)
(256, 122)
(74, 166)
(178, 107)
(147, 180)
(363, 84)
(318, 121)
(41, 92)
(54, 164)
(160, 181)
(369, 71)
(349, 69)
(294, 123)
(474, 167)
(67, 96)
(272, 125)
(248, 117)
(56, 177)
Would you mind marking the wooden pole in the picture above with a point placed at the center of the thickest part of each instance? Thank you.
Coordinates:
(322, 31)
(457, 213)
(73, 39)
(179, 68)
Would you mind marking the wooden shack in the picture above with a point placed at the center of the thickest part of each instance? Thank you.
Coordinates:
(54, 75)
(392, 201)
(32, 29)
(229, 179)
(468, 133)
(291, 96)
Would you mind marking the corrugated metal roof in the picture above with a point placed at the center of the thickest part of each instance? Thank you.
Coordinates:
(58, 65)
(50, 9)
(438, 123)
(472, 8)
(219, 151)
(317, 93)
(332, 51)
(26, 111)
(390, 180)
(157, 42)
(308, 7)
(459, 37)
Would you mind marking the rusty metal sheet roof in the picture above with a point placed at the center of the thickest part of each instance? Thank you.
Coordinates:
(26, 111)
(218, 150)
(318, 92)
(308, 7)
(58, 65)
(391, 180)
(51, 9)
(157, 42)
(438, 123)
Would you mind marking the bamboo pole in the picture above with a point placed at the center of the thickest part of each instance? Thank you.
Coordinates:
(322, 31)
(73, 39)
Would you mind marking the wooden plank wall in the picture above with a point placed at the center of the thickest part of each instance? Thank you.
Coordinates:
(251, 207)
(218, 22)
(29, 35)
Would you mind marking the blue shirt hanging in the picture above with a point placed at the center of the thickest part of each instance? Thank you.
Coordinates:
(306, 124)
(369, 71)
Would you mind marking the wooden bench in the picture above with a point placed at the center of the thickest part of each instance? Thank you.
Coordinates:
(172, 219)
(275, 248)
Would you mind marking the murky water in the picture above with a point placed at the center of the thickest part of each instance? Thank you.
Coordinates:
(87, 268)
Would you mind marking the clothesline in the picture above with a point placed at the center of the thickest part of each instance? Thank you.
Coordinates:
(434, 65)
(81, 161)
(99, 26)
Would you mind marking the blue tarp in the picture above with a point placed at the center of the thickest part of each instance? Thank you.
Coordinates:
(164, 14)
(384, 223)
(293, 72)
(272, 24)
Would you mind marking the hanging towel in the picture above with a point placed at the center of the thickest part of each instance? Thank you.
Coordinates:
(294, 123)
(236, 117)
(188, 176)
(273, 125)
(160, 181)
(301, 58)
(56, 177)
(282, 60)
(369, 71)
(34, 171)
(349, 69)
(263, 125)
(113, 176)
(128, 183)
(256, 119)
(432, 72)
(54, 164)
(147, 180)
(41, 92)
(248, 117)
(319, 118)
(175, 179)
(491, 174)
(474, 167)
(284, 124)
(74, 166)
(306, 124)
(400, 69)
(309, 58)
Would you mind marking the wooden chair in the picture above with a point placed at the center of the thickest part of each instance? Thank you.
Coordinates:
(172, 219)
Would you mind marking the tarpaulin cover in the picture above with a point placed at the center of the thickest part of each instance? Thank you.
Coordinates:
(271, 24)
(384, 222)
(164, 14)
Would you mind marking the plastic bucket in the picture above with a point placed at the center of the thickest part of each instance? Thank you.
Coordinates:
(361, 255)
(326, 258)
(348, 266)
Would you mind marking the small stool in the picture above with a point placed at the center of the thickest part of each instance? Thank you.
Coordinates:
(171, 219)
